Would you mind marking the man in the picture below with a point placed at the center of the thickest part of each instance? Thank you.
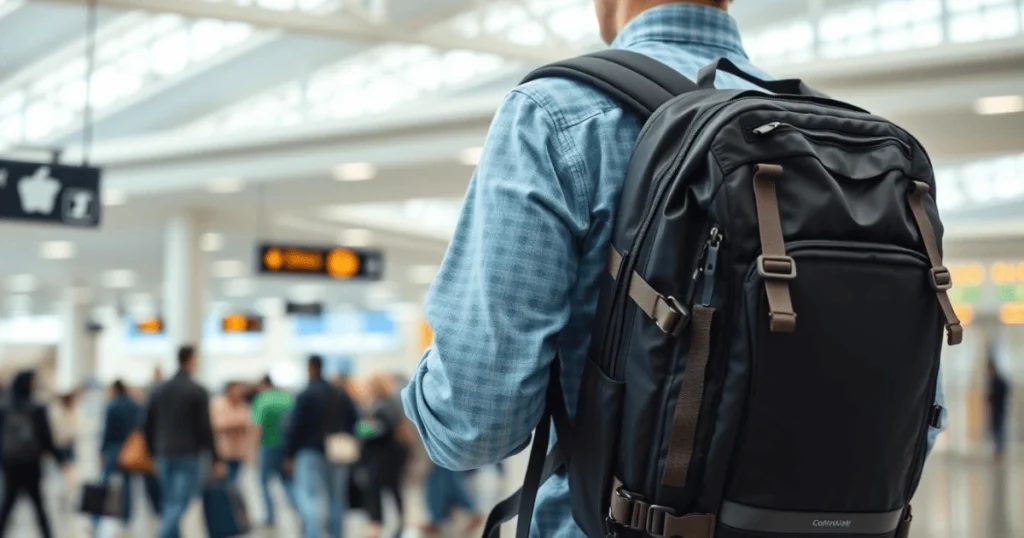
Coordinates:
(268, 409)
(178, 430)
(319, 410)
(520, 281)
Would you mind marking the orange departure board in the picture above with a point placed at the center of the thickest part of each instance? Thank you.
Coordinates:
(150, 326)
(336, 263)
(241, 323)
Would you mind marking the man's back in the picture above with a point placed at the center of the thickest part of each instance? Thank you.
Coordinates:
(505, 304)
(314, 406)
(178, 419)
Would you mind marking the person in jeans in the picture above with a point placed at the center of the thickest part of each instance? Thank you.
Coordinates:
(319, 409)
(25, 437)
(268, 409)
(179, 432)
(445, 491)
(231, 417)
(122, 417)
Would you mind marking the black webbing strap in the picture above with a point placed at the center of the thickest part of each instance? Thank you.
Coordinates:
(542, 463)
(639, 82)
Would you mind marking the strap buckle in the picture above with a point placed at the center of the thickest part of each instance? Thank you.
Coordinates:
(940, 278)
(656, 517)
(635, 514)
(687, 526)
(670, 315)
(776, 267)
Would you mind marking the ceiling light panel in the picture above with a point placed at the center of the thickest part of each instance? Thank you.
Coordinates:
(1002, 104)
(225, 185)
(355, 237)
(57, 250)
(118, 279)
(114, 197)
(355, 172)
(229, 269)
(211, 242)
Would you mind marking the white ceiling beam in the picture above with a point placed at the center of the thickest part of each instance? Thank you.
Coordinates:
(350, 29)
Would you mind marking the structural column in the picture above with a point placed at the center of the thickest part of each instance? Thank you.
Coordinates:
(184, 286)
(76, 354)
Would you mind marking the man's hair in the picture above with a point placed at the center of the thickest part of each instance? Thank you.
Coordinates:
(186, 354)
(316, 363)
(267, 381)
(119, 387)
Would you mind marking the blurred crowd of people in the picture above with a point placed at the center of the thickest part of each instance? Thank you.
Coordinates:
(337, 445)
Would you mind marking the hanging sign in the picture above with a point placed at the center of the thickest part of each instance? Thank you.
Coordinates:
(241, 323)
(304, 309)
(50, 193)
(338, 263)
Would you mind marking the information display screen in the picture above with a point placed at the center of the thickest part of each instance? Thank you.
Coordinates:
(336, 263)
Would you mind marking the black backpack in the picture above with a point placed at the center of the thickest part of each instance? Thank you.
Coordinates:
(766, 346)
(21, 443)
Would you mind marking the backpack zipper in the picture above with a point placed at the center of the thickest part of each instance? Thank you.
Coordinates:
(831, 137)
(711, 266)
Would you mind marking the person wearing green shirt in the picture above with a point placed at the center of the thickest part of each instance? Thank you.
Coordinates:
(268, 411)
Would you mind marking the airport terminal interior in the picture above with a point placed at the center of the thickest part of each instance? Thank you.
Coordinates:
(271, 179)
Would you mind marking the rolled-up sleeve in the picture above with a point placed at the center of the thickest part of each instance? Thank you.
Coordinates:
(501, 297)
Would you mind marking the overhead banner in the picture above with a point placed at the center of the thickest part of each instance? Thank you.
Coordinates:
(336, 263)
(241, 323)
(50, 193)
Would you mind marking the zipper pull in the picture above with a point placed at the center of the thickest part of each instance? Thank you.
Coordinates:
(767, 128)
(711, 266)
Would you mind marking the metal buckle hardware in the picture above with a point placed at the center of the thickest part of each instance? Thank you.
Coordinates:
(940, 278)
(676, 319)
(656, 520)
(776, 267)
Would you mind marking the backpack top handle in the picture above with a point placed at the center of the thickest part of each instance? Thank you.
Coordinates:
(792, 86)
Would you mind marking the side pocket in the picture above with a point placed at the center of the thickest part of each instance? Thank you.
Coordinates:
(596, 440)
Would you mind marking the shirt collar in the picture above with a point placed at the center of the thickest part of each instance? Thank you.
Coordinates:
(683, 23)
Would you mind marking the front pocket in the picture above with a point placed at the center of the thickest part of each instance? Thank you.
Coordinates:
(837, 411)
(596, 432)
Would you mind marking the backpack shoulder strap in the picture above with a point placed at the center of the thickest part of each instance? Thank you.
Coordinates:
(638, 82)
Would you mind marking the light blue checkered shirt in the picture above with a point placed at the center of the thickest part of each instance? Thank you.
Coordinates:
(520, 279)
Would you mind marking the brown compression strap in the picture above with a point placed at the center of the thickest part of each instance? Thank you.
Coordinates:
(939, 277)
(688, 526)
(774, 266)
(632, 512)
(667, 312)
(691, 394)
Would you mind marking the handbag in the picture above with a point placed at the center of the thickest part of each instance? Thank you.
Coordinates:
(134, 456)
(340, 448)
(102, 500)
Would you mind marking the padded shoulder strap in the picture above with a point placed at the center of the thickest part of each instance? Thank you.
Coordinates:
(639, 82)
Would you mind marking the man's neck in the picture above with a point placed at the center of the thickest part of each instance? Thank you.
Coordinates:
(629, 10)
